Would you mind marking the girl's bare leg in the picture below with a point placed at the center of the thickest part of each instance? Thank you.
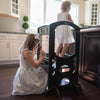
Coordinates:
(59, 48)
(64, 49)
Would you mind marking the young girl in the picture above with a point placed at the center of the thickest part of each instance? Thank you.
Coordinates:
(64, 34)
(30, 78)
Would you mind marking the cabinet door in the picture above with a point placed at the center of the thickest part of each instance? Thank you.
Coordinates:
(15, 49)
(15, 8)
(94, 13)
(4, 50)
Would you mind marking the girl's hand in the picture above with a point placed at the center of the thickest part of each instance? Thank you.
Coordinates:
(35, 48)
(42, 53)
(70, 19)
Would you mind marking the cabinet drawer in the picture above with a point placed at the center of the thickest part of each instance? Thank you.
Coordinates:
(17, 36)
(4, 36)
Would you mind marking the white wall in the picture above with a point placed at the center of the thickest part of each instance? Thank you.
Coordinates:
(12, 24)
(81, 4)
(23, 8)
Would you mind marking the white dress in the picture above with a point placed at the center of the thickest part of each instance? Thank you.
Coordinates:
(63, 33)
(29, 80)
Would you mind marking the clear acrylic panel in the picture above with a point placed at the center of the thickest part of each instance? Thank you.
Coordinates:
(65, 38)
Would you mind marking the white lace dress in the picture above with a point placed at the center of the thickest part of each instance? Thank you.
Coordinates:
(29, 80)
(63, 33)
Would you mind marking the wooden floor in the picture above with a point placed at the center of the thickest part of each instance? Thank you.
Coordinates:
(90, 92)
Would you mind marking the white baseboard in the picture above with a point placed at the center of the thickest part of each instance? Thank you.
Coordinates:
(9, 62)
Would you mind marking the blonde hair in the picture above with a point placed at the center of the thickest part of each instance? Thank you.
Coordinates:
(65, 5)
(29, 42)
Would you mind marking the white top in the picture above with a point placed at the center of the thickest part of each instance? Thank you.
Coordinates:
(62, 16)
(29, 80)
(64, 33)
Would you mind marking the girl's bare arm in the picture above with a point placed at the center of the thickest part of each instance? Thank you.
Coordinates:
(70, 19)
(29, 58)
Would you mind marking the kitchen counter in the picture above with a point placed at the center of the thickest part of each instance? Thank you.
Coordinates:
(90, 29)
(12, 32)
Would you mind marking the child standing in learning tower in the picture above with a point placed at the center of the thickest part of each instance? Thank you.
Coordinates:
(30, 78)
(64, 34)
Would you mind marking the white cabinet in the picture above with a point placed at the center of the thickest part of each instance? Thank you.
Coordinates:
(10, 46)
(15, 49)
(15, 43)
(10, 8)
(92, 15)
(4, 47)
(4, 50)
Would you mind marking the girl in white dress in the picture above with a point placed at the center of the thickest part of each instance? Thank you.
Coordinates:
(30, 78)
(64, 34)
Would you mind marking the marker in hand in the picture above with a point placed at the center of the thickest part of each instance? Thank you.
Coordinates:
(39, 48)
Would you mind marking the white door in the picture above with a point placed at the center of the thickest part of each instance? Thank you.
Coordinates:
(4, 50)
(15, 49)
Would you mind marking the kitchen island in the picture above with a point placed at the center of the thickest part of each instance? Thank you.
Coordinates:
(89, 66)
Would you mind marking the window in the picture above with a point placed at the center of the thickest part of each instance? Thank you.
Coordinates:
(74, 13)
(15, 7)
(36, 13)
(94, 14)
(52, 9)
(45, 12)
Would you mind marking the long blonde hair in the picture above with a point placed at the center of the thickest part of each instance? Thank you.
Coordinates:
(65, 5)
(29, 42)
